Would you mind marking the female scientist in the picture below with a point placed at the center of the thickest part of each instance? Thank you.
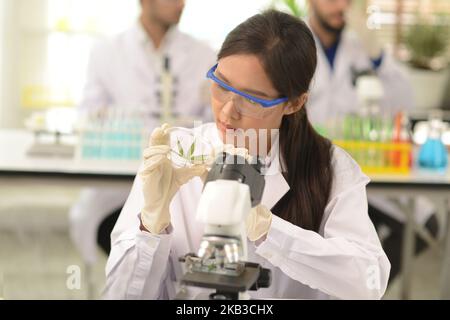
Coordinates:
(312, 228)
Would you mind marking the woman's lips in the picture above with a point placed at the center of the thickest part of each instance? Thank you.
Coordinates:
(224, 127)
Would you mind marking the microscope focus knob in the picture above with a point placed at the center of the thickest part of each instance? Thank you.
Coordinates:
(265, 278)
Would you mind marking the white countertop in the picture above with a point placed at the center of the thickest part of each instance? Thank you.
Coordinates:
(14, 145)
(416, 176)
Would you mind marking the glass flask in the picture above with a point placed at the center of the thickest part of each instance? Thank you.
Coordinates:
(433, 153)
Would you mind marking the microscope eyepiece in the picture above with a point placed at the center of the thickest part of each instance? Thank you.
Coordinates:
(237, 168)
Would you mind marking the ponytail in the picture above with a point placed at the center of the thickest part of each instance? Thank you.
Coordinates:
(307, 169)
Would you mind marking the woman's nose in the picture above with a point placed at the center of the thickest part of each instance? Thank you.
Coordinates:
(229, 109)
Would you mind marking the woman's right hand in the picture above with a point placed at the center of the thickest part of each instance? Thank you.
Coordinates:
(161, 181)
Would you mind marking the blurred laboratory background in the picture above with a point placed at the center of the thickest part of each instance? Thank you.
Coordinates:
(69, 151)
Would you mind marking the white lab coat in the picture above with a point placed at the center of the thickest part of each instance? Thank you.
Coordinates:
(123, 72)
(332, 95)
(341, 261)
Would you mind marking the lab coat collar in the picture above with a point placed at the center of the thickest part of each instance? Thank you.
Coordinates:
(339, 66)
(143, 38)
(276, 185)
(148, 62)
(345, 34)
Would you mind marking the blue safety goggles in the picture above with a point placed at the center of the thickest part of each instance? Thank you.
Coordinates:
(264, 103)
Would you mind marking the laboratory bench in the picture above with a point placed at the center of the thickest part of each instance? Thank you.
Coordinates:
(16, 168)
(16, 165)
(435, 186)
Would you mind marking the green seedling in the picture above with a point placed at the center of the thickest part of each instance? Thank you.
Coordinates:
(189, 156)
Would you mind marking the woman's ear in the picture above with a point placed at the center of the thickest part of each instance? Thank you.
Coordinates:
(296, 105)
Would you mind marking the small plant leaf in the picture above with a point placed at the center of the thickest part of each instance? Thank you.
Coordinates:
(198, 159)
(180, 148)
(191, 150)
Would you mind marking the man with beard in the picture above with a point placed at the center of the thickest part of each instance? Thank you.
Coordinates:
(124, 75)
(346, 50)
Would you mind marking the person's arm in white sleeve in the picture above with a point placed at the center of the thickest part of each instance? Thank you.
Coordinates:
(347, 262)
(138, 266)
(138, 261)
(398, 91)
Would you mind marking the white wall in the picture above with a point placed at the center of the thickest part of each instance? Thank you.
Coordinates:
(10, 113)
(2, 45)
(2, 17)
(24, 28)
(212, 20)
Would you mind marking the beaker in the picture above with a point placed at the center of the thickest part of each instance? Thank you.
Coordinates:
(433, 153)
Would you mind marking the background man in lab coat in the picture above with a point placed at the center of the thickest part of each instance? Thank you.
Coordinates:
(342, 55)
(124, 72)
(346, 49)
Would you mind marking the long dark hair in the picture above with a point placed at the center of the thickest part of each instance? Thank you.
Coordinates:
(287, 50)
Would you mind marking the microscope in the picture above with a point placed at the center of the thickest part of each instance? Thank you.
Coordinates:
(232, 187)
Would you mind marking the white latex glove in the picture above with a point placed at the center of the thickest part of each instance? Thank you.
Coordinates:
(258, 222)
(161, 181)
(357, 21)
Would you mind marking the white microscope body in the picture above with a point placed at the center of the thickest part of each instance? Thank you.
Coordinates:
(231, 190)
(223, 208)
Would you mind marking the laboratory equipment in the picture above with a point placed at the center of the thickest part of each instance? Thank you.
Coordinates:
(379, 141)
(401, 134)
(370, 92)
(381, 146)
(221, 263)
(53, 133)
(390, 153)
(112, 134)
(167, 93)
(433, 153)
